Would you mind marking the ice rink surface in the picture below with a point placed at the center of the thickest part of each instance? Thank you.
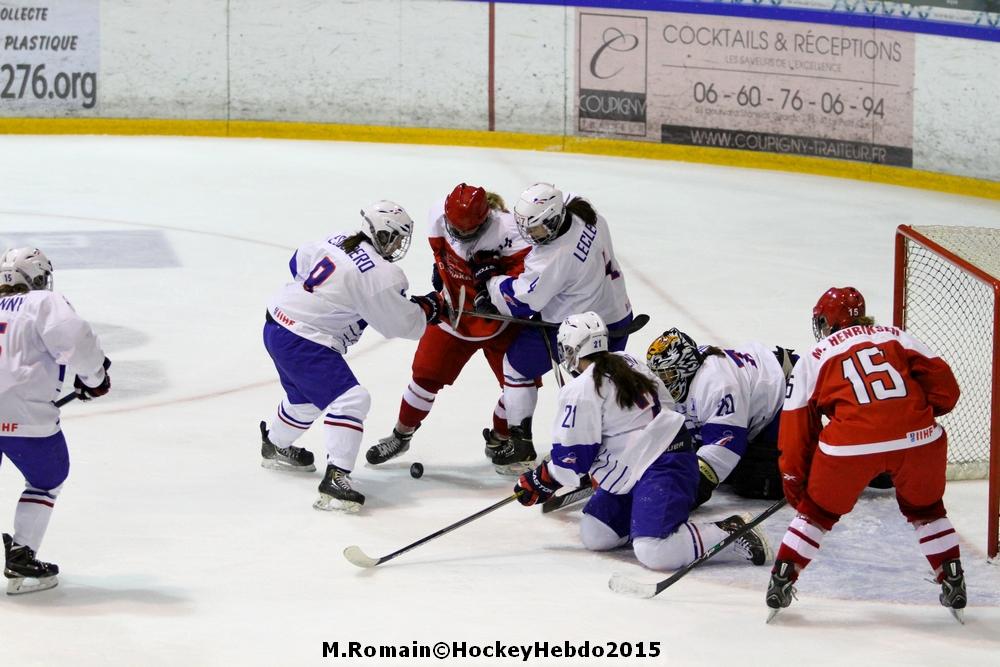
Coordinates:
(177, 548)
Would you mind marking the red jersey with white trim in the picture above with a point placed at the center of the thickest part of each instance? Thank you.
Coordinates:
(451, 256)
(880, 387)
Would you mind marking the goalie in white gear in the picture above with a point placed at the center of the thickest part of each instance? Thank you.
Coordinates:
(731, 401)
(340, 286)
(40, 337)
(571, 268)
(610, 425)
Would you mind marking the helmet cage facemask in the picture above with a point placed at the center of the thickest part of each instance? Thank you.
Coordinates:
(463, 237)
(821, 328)
(391, 244)
(549, 228)
(675, 359)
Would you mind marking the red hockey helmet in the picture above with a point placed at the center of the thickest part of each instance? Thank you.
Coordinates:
(839, 307)
(465, 211)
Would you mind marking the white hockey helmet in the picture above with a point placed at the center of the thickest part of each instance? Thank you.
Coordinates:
(539, 213)
(26, 266)
(390, 229)
(580, 336)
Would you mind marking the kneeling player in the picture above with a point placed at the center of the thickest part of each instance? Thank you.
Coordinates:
(609, 425)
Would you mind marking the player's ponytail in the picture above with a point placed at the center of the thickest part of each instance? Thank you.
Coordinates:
(351, 243)
(582, 209)
(633, 387)
(495, 202)
(8, 290)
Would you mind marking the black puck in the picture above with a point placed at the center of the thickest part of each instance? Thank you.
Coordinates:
(417, 470)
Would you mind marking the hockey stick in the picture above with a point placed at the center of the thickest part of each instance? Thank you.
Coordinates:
(582, 492)
(619, 583)
(552, 357)
(65, 399)
(638, 322)
(454, 314)
(358, 557)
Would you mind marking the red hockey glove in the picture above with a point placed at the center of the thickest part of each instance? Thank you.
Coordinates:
(794, 487)
(536, 486)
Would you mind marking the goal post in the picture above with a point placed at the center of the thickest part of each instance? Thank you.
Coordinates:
(946, 292)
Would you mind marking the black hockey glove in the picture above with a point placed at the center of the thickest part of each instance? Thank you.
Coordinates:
(433, 306)
(85, 393)
(482, 303)
(536, 486)
(484, 265)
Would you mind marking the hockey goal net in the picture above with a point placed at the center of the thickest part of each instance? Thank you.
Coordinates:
(947, 293)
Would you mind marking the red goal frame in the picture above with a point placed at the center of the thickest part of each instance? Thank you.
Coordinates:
(904, 233)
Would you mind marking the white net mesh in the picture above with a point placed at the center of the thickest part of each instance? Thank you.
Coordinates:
(952, 311)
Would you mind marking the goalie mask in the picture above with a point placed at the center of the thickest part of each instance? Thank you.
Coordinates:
(839, 307)
(466, 211)
(389, 228)
(580, 336)
(675, 359)
(26, 266)
(539, 213)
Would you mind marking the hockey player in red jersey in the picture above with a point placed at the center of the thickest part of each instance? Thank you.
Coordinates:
(474, 238)
(881, 390)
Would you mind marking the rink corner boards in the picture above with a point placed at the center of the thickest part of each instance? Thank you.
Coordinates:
(913, 178)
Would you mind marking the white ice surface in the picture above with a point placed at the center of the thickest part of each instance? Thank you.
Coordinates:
(178, 549)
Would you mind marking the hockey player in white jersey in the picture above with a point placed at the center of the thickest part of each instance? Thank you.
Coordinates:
(40, 337)
(612, 425)
(731, 401)
(571, 268)
(340, 286)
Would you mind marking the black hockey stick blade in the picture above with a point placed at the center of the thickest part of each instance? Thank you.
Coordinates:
(358, 557)
(554, 503)
(619, 583)
(637, 323)
(66, 399)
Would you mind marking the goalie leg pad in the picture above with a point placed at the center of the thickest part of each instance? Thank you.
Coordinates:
(757, 474)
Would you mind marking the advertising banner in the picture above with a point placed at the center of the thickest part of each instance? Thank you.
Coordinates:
(758, 85)
(50, 56)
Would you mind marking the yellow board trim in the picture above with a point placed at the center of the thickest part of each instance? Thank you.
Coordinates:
(912, 178)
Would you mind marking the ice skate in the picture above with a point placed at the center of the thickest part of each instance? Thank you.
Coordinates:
(283, 458)
(518, 455)
(953, 589)
(752, 545)
(389, 447)
(494, 443)
(335, 492)
(780, 591)
(21, 568)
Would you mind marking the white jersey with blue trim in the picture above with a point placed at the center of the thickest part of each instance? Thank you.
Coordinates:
(730, 401)
(593, 434)
(41, 336)
(574, 273)
(335, 295)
